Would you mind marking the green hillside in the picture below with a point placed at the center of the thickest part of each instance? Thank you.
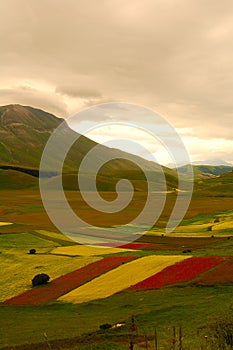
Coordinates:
(24, 132)
(16, 180)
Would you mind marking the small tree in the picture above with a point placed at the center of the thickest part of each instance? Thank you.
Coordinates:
(32, 251)
(41, 278)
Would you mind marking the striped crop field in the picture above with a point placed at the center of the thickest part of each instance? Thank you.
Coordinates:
(68, 282)
(223, 274)
(82, 250)
(120, 278)
(183, 271)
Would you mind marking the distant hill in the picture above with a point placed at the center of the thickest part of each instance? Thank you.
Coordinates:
(206, 171)
(220, 186)
(24, 132)
(212, 161)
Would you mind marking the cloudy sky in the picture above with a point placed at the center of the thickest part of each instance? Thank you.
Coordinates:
(173, 56)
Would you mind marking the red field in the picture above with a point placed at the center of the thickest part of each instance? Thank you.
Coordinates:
(66, 283)
(129, 245)
(180, 272)
(223, 274)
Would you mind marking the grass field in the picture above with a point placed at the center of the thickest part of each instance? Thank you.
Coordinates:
(163, 308)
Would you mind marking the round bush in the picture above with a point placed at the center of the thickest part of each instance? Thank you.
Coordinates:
(41, 278)
(105, 326)
(32, 251)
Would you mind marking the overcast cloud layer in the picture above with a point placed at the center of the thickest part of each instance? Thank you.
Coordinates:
(174, 56)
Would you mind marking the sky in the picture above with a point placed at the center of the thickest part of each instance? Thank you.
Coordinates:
(172, 56)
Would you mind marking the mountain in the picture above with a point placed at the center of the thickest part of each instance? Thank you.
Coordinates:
(206, 171)
(24, 132)
(212, 161)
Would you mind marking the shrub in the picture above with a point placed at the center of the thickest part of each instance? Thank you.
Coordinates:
(32, 251)
(105, 326)
(41, 278)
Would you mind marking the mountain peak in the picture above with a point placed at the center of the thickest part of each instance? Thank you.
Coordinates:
(15, 115)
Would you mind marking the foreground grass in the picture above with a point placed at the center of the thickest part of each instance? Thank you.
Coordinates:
(162, 308)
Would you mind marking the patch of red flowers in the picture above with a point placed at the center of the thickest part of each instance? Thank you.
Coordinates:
(137, 245)
(68, 282)
(128, 245)
(223, 274)
(183, 271)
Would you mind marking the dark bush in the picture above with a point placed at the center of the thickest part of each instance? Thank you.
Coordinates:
(41, 278)
(32, 251)
(105, 326)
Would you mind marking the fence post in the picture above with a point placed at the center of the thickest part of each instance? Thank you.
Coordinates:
(180, 338)
(173, 338)
(156, 339)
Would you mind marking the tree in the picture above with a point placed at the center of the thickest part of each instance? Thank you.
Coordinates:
(41, 278)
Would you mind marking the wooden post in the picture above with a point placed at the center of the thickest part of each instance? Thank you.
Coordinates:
(46, 339)
(146, 341)
(173, 338)
(131, 345)
(156, 339)
(180, 338)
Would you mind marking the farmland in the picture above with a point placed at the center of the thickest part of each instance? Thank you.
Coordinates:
(154, 279)
(120, 278)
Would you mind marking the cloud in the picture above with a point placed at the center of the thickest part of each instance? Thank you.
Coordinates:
(75, 91)
(174, 56)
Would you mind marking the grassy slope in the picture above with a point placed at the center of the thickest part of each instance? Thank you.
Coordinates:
(15, 180)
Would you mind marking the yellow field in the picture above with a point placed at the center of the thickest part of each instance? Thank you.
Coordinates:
(226, 225)
(120, 278)
(2, 223)
(192, 228)
(19, 268)
(54, 235)
(82, 250)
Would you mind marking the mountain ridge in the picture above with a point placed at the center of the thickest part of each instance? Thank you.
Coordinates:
(24, 132)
